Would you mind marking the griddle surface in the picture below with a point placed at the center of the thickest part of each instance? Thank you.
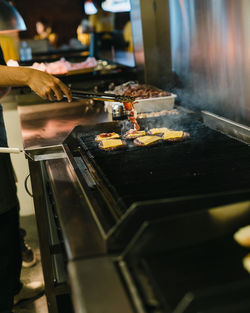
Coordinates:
(207, 162)
(195, 269)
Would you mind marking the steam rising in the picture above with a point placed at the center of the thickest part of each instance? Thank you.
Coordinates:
(211, 55)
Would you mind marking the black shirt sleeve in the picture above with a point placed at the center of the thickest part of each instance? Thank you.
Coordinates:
(2, 62)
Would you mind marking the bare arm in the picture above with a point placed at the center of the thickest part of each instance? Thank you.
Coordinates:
(45, 85)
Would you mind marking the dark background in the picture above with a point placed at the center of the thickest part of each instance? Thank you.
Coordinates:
(63, 15)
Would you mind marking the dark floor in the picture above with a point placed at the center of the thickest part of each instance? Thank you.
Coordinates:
(39, 305)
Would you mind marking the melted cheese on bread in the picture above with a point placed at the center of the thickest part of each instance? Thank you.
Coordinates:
(172, 134)
(146, 140)
(155, 131)
(246, 262)
(242, 236)
(110, 143)
(137, 133)
(113, 136)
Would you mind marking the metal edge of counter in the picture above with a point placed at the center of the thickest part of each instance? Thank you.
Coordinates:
(74, 215)
(97, 288)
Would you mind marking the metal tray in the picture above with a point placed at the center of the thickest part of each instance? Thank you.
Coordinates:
(148, 105)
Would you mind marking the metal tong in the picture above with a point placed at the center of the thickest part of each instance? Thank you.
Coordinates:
(100, 96)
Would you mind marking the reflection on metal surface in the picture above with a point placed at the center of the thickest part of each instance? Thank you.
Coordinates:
(211, 53)
(81, 235)
(131, 286)
(39, 154)
(10, 18)
(97, 287)
(49, 124)
(232, 212)
(46, 153)
(136, 24)
(151, 39)
(230, 128)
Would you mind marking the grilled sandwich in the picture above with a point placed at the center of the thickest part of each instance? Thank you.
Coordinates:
(132, 134)
(147, 140)
(169, 134)
(158, 131)
(173, 135)
(111, 144)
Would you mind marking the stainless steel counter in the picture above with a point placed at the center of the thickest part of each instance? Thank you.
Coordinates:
(48, 124)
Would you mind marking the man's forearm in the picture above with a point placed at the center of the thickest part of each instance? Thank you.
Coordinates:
(14, 76)
(45, 85)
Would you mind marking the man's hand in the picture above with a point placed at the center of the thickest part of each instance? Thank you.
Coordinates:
(47, 86)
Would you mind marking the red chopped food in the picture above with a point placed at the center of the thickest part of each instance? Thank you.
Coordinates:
(134, 121)
(140, 91)
(129, 106)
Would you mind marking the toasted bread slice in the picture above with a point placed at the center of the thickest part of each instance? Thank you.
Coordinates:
(158, 131)
(132, 134)
(242, 236)
(147, 140)
(111, 144)
(246, 262)
(174, 135)
(105, 136)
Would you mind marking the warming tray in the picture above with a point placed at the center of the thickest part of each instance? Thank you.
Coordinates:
(148, 105)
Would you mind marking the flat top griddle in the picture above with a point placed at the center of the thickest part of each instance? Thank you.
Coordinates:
(190, 263)
(197, 270)
(207, 162)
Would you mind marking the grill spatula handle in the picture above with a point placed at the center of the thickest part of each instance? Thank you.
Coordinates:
(10, 150)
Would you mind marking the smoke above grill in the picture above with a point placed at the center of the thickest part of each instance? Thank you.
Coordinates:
(179, 122)
(211, 54)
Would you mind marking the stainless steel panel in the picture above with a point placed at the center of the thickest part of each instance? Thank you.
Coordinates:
(204, 42)
(97, 287)
(151, 36)
(136, 23)
(225, 126)
(50, 123)
(211, 53)
(46, 153)
(59, 268)
(79, 230)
